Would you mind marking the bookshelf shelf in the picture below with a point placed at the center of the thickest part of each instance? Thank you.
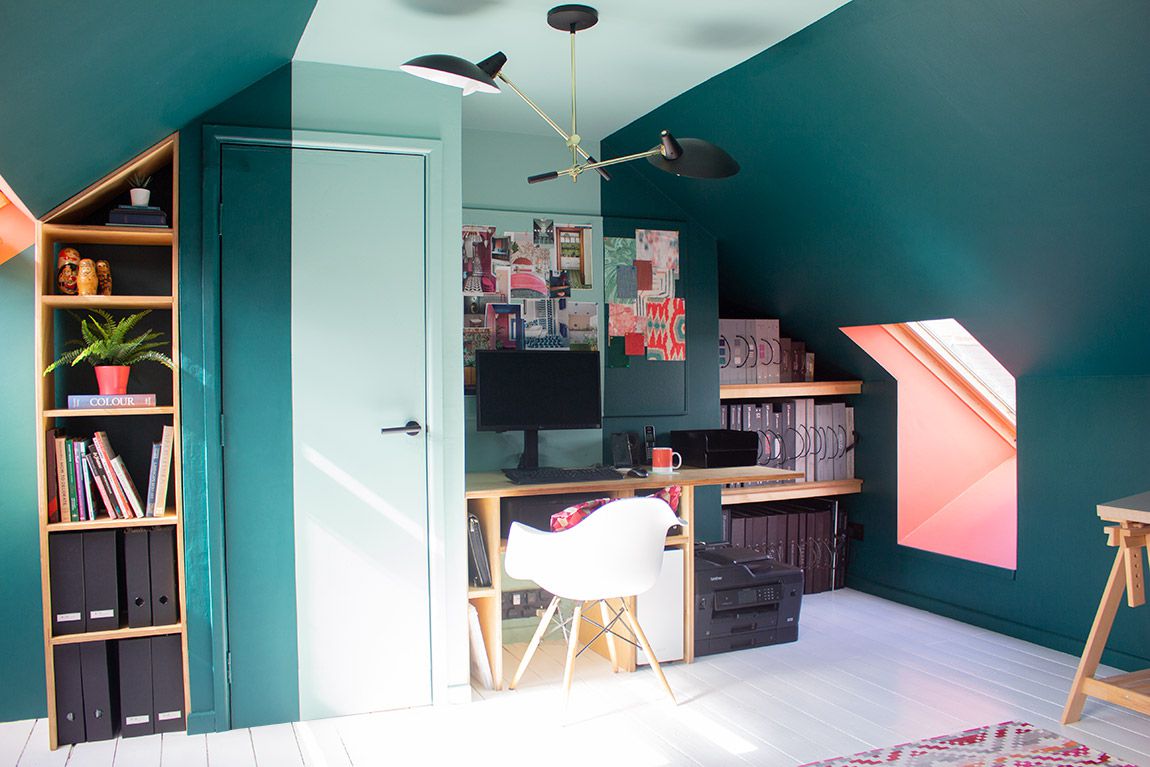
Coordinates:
(106, 302)
(125, 633)
(677, 540)
(107, 235)
(149, 257)
(110, 411)
(788, 491)
(798, 389)
(482, 593)
(169, 518)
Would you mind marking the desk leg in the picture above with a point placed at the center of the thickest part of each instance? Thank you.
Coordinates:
(687, 512)
(1099, 633)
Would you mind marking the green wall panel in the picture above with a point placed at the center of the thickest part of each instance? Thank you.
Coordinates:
(977, 160)
(22, 662)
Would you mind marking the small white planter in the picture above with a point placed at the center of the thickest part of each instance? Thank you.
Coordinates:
(140, 197)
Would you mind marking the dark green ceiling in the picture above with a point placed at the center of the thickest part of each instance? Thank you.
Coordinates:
(905, 160)
(85, 86)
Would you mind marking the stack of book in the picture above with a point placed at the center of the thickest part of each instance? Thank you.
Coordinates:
(798, 435)
(753, 352)
(87, 480)
(137, 215)
(810, 534)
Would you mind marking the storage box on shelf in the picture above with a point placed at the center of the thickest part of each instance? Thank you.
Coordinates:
(730, 393)
(144, 271)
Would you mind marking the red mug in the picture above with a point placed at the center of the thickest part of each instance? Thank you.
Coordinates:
(664, 460)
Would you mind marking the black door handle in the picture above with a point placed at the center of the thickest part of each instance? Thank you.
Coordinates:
(411, 429)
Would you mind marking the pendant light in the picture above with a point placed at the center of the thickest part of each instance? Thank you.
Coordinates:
(690, 157)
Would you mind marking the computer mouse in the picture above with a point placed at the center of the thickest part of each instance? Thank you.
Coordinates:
(637, 472)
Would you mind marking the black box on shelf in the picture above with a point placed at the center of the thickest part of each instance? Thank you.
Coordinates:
(716, 448)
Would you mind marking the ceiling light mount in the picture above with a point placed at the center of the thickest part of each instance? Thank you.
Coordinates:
(572, 18)
(690, 157)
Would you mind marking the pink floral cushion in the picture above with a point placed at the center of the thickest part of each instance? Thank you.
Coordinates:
(573, 515)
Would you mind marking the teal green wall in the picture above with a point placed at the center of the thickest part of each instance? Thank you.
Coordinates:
(22, 662)
(977, 160)
(87, 86)
(264, 105)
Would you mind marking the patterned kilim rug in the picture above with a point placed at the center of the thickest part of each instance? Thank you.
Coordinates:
(1010, 744)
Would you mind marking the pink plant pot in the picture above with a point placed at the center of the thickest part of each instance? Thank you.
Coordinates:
(112, 379)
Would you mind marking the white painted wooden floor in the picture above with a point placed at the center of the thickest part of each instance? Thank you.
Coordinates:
(865, 673)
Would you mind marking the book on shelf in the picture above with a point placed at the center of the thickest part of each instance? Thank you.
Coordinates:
(101, 483)
(109, 401)
(128, 486)
(62, 475)
(104, 450)
(153, 471)
(132, 215)
(164, 471)
(70, 468)
(86, 485)
(53, 482)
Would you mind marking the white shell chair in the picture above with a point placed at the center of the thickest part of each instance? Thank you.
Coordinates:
(614, 553)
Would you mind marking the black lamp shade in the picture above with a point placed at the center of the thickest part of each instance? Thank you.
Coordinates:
(451, 70)
(697, 159)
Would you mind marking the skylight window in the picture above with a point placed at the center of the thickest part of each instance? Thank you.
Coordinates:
(971, 360)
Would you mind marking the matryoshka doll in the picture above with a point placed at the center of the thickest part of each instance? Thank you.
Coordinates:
(67, 266)
(104, 278)
(86, 277)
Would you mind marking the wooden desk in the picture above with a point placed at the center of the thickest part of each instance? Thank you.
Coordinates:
(486, 489)
(1130, 534)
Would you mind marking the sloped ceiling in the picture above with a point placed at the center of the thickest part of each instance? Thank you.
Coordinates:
(904, 160)
(86, 86)
(641, 53)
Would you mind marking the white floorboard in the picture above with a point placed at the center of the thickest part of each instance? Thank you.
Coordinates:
(144, 751)
(276, 746)
(13, 738)
(865, 673)
(231, 749)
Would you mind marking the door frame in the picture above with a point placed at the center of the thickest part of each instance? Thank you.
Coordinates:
(444, 433)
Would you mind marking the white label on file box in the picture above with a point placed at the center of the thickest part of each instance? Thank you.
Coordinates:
(141, 719)
(102, 614)
(68, 617)
(164, 716)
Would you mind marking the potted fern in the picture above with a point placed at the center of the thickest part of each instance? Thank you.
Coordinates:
(138, 189)
(107, 348)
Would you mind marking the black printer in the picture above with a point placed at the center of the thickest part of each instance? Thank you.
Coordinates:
(743, 599)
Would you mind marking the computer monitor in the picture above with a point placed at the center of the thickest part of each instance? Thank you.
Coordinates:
(533, 390)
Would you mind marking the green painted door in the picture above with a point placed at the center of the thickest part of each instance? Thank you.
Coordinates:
(323, 260)
(255, 346)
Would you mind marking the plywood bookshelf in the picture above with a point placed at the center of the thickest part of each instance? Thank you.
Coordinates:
(154, 257)
(796, 389)
(784, 491)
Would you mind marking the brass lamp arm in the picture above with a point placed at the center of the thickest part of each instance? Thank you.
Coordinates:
(549, 121)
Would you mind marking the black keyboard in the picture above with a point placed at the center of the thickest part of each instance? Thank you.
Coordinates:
(548, 475)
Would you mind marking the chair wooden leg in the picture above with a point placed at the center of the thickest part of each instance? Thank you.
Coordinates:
(647, 649)
(544, 623)
(572, 647)
(605, 614)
